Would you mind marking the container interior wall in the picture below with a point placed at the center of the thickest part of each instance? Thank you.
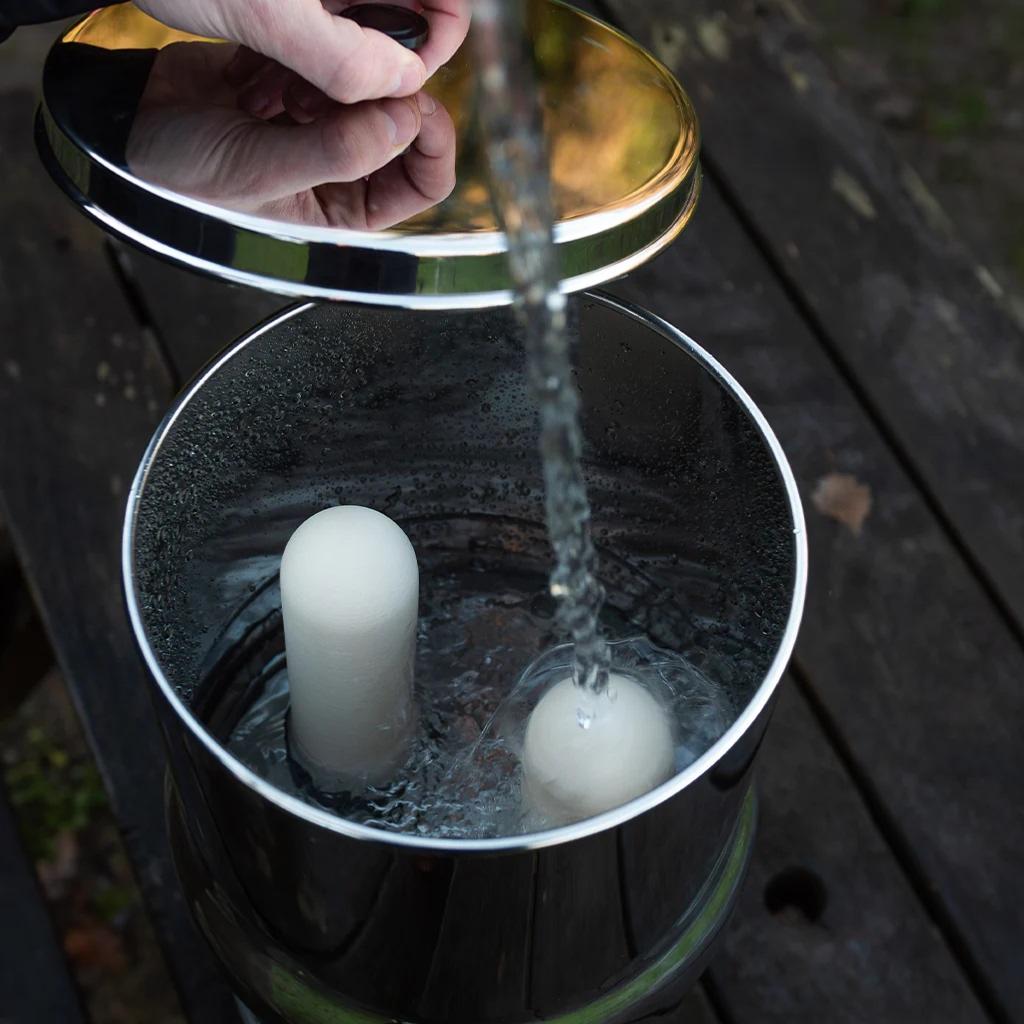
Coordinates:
(427, 417)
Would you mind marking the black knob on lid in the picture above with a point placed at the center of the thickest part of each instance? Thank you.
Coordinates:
(401, 24)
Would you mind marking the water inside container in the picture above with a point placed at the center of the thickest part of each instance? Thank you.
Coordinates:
(484, 619)
(429, 420)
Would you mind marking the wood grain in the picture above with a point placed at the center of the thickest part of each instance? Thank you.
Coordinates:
(81, 389)
(813, 815)
(194, 317)
(913, 666)
(35, 983)
(827, 928)
(25, 653)
(906, 313)
(870, 340)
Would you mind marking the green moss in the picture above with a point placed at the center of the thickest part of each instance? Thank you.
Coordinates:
(918, 9)
(52, 792)
(111, 901)
(965, 113)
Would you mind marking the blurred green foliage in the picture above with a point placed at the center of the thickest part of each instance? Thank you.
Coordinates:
(112, 901)
(928, 8)
(52, 792)
(963, 113)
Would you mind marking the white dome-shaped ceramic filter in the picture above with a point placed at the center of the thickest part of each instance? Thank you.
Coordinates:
(349, 598)
(586, 753)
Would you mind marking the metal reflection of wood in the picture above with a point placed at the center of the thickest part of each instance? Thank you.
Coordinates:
(618, 129)
(123, 26)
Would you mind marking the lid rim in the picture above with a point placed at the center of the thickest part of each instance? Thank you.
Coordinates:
(103, 194)
(636, 205)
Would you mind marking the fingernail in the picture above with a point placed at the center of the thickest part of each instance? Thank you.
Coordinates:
(426, 103)
(412, 79)
(402, 123)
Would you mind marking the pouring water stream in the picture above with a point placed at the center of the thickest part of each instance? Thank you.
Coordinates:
(521, 187)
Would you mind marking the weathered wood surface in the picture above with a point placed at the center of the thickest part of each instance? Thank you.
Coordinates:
(80, 391)
(828, 928)
(902, 310)
(194, 317)
(24, 649)
(35, 982)
(884, 883)
(915, 670)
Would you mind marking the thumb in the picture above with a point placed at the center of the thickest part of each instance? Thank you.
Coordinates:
(344, 60)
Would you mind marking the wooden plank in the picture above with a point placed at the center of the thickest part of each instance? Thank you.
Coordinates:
(35, 983)
(904, 521)
(918, 674)
(905, 312)
(827, 928)
(194, 317)
(25, 653)
(80, 391)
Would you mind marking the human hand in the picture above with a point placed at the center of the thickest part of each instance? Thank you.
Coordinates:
(282, 39)
(365, 166)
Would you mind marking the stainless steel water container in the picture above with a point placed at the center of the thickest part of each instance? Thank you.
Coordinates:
(419, 408)
(427, 417)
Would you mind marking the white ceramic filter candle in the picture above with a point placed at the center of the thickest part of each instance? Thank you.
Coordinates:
(349, 598)
(572, 772)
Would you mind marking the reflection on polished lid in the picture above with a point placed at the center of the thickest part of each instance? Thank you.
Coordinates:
(140, 127)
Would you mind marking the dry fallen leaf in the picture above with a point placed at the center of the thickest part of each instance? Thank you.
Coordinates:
(841, 496)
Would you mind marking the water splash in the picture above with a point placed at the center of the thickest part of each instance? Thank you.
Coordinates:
(462, 777)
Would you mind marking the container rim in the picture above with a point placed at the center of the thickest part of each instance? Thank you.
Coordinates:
(504, 844)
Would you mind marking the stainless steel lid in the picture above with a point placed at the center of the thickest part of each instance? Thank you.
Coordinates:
(132, 126)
